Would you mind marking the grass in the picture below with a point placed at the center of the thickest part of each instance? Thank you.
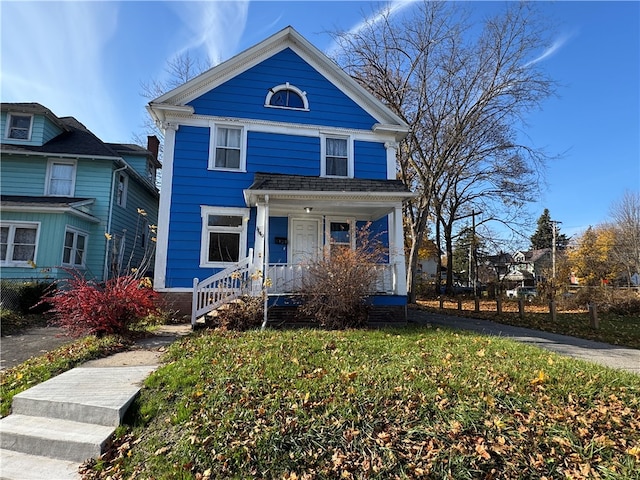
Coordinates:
(415, 402)
(623, 330)
(38, 369)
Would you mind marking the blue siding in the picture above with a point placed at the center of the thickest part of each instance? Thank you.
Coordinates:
(278, 227)
(277, 153)
(370, 160)
(378, 230)
(244, 95)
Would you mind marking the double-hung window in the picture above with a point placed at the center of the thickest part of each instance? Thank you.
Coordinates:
(228, 148)
(18, 243)
(75, 245)
(19, 127)
(224, 236)
(61, 178)
(121, 190)
(336, 157)
(340, 234)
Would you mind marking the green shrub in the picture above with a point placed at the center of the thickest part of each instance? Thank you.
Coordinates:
(24, 297)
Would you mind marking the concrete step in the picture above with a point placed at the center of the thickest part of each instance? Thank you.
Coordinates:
(89, 395)
(54, 438)
(21, 466)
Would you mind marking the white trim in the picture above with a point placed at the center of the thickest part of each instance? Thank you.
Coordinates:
(8, 127)
(76, 232)
(12, 224)
(164, 210)
(323, 155)
(205, 211)
(287, 128)
(287, 86)
(47, 182)
(213, 134)
(392, 148)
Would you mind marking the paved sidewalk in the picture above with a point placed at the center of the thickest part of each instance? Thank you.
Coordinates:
(612, 356)
(57, 424)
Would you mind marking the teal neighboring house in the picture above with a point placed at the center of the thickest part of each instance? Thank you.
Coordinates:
(70, 200)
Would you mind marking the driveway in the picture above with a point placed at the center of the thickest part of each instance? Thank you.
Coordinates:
(15, 349)
(612, 356)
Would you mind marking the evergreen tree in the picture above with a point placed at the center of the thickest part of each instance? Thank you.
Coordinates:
(543, 237)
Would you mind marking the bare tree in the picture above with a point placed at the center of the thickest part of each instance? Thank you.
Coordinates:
(462, 89)
(625, 215)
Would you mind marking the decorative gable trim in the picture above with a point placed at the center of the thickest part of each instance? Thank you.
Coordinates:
(286, 38)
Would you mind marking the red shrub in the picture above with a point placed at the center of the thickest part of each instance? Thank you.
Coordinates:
(85, 307)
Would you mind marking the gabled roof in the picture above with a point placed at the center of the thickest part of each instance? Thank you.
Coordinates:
(32, 108)
(176, 100)
(76, 139)
(133, 149)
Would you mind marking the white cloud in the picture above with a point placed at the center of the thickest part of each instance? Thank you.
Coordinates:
(215, 26)
(52, 53)
(389, 9)
(555, 46)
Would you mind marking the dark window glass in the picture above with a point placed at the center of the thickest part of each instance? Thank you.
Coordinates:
(286, 98)
(225, 221)
(19, 128)
(224, 247)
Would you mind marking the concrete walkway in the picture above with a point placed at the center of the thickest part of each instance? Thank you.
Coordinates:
(612, 356)
(58, 424)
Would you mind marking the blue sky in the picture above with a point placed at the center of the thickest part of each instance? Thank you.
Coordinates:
(88, 59)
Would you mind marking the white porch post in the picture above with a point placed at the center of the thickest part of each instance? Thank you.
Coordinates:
(259, 244)
(265, 270)
(396, 251)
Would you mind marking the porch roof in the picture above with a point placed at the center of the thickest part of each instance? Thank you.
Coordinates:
(366, 198)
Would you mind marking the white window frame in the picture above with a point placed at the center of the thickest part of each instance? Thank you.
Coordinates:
(287, 86)
(74, 248)
(7, 133)
(121, 200)
(11, 243)
(205, 211)
(213, 146)
(56, 161)
(352, 231)
(323, 155)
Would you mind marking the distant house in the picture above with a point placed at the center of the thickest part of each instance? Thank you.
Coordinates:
(63, 189)
(529, 267)
(270, 159)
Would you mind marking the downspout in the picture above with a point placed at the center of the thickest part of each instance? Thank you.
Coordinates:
(105, 271)
(265, 262)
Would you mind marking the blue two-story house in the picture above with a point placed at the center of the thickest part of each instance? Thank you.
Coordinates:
(70, 201)
(270, 158)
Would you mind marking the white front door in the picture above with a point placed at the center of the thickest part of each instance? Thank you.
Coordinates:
(304, 235)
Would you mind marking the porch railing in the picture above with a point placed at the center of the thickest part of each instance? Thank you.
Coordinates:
(287, 278)
(221, 288)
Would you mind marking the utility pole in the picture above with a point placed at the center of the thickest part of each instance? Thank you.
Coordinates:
(554, 229)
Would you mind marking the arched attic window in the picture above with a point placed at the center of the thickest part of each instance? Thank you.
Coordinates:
(287, 96)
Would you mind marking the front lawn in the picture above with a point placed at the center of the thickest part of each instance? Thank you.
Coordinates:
(415, 402)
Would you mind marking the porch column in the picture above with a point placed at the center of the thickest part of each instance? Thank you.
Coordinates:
(392, 148)
(259, 247)
(396, 251)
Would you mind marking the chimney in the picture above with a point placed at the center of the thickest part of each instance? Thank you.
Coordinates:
(153, 145)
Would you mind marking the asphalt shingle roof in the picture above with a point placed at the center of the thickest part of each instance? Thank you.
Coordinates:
(25, 200)
(284, 182)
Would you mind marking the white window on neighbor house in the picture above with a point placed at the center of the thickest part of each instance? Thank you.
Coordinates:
(121, 190)
(228, 151)
(224, 236)
(61, 178)
(18, 243)
(19, 126)
(336, 155)
(75, 246)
